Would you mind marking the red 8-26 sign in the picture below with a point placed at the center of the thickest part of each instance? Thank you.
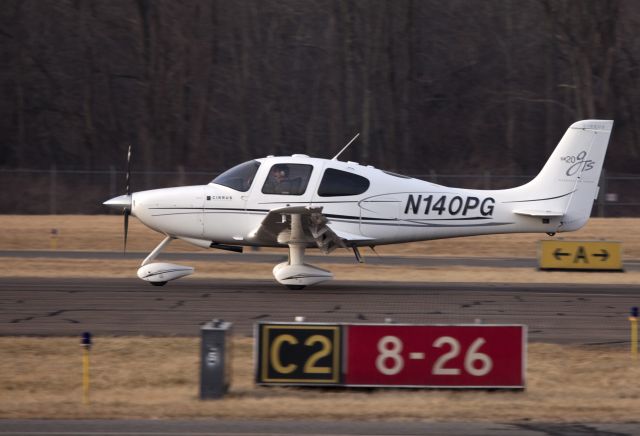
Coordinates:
(436, 356)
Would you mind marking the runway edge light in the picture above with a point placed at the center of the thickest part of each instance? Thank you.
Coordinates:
(634, 332)
(86, 346)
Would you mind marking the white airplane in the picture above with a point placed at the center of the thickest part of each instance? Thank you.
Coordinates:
(304, 202)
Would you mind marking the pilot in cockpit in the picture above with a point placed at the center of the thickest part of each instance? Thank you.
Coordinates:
(278, 181)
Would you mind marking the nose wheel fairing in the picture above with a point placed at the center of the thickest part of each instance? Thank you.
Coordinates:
(293, 276)
(159, 273)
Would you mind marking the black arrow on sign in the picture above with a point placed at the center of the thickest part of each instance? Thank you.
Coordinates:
(558, 254)
(603, 256)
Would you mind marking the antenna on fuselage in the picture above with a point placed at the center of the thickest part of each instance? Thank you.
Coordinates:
(345, 147)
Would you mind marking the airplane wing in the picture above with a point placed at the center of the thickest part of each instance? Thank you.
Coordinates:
(276, 227)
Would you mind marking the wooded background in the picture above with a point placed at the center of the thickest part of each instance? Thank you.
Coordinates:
(454, 86)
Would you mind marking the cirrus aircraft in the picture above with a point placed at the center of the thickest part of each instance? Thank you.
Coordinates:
(302, 202)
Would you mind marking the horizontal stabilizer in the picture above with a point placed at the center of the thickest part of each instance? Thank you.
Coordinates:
(539, 213)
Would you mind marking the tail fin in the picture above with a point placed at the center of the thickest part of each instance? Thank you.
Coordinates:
(568, 183)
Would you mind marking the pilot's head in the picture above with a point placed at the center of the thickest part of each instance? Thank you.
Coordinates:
(280, 172)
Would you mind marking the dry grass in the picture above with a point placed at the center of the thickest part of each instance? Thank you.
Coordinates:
(140, 377)
(105, 233)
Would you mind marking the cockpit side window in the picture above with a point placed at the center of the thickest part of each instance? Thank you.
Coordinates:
(287, 179)
(337, 183)
(239, 177)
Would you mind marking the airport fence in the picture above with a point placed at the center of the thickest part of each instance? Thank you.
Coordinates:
(61, 191)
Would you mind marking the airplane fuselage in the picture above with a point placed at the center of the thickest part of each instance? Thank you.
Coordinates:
(392, 209)
(303, 202)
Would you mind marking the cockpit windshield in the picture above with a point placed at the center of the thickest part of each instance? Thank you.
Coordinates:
(239, 177)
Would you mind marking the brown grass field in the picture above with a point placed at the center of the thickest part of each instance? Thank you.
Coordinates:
(138, 377)
(104, 233)
(158, 378)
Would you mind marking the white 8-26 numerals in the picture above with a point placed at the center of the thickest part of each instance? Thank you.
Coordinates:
(390, 361)
(389, 348)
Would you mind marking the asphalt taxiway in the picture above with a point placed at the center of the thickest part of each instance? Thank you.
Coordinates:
(261, 428)
(273, 258)
(556, 313)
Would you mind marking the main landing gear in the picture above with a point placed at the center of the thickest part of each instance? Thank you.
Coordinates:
(295, 274)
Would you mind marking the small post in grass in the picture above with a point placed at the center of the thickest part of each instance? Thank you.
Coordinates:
(86, 346)
(634, 332)
(53, 240)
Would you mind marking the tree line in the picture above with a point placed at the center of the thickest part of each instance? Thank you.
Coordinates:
(455, 86)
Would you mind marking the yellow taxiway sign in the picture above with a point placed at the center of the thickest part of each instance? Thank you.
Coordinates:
(580, 255)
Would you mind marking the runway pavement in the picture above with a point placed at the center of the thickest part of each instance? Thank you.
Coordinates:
(577, 314)
(274, 258)
(261, 428)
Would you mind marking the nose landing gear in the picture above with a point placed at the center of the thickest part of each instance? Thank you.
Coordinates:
(158, 274)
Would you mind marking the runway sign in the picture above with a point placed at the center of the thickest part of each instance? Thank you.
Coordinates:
(446, 356)
(299, 354)
(394, 355)
(580, 255)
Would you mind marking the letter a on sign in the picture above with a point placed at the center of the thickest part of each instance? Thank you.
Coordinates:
(581, 255)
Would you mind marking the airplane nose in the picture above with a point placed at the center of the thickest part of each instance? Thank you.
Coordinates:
(119, 203)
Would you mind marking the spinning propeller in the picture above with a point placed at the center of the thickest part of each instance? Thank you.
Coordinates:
(124, 201)
(127, 210)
